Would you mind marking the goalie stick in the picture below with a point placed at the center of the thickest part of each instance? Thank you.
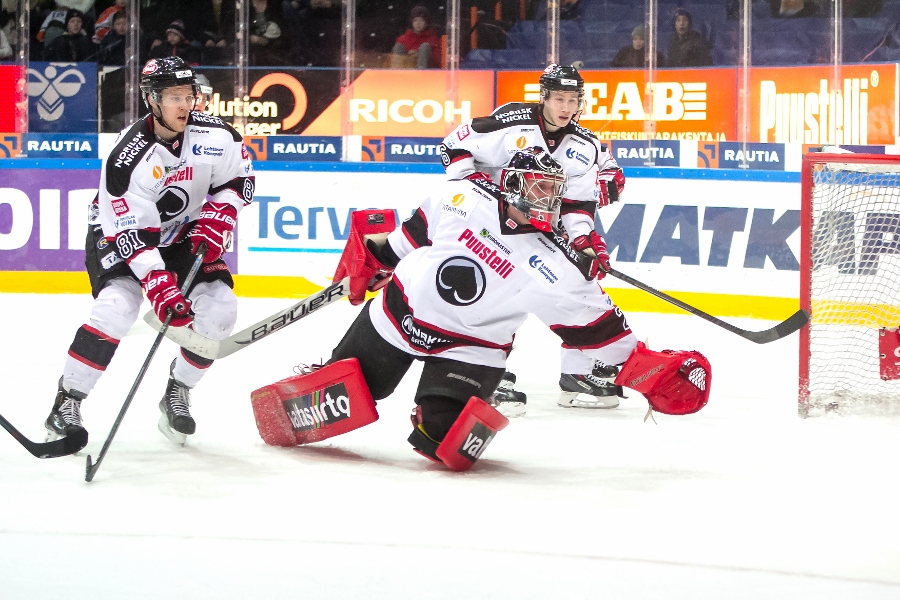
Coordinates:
(783, 329)
(61, 447)
(215, 349)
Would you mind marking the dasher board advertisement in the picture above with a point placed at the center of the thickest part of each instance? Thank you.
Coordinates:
(697, 104)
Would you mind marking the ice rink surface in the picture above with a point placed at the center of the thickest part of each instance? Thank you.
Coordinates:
(741, 500)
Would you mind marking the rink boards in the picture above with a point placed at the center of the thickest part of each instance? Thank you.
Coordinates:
(727, 241)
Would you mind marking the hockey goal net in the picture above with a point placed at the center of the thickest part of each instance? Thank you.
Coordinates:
(850, 284)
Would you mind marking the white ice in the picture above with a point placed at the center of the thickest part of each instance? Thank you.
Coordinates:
(741, 500)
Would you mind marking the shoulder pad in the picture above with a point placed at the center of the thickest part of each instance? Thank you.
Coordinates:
(134, 143)
(508, 115)
(204, 120)
(584, 132)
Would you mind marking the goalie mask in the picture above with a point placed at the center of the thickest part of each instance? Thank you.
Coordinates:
(534, 183)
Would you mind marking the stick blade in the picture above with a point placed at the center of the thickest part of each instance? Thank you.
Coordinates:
(783, 329)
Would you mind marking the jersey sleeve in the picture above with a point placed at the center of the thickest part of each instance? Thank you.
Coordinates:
(418, 229)
(476, 145)
(233, 181)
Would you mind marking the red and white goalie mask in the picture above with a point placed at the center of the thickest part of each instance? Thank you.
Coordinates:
(534, 183)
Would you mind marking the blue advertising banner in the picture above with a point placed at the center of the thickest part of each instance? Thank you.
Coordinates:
(658, 153)
(61, 145)
(62, 97)
(412, 149)
(304, 148)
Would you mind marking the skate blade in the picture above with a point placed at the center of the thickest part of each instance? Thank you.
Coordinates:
(511, 410)
(579, 400)
(172, 435)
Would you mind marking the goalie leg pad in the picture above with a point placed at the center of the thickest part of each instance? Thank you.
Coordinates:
(675, 382)
(314, 406)
(467, 438)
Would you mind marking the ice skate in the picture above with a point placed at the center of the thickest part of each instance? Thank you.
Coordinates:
(176, 422)
(65, 418)
(595, 390)
(507, 400)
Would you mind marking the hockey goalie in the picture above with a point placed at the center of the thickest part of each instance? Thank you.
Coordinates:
(458, 278)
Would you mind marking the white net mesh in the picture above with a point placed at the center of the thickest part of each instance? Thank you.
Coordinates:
(854, 285)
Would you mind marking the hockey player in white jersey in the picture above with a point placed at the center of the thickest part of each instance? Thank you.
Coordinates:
(593, 179)
(175, 179)
(459, 278)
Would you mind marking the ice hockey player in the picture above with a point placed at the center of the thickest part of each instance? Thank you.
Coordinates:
(146, 225)
(459, 278)
(204, 96)
(485, 144)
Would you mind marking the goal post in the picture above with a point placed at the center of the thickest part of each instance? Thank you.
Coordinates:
(850, 283)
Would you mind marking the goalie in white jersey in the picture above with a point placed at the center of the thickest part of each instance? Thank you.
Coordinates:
(593, 179)
(174, 180)
(459, 278)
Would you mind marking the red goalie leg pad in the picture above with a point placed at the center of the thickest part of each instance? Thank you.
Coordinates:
(675, 382)
(364, 270)
(315, 406)
(470, 434)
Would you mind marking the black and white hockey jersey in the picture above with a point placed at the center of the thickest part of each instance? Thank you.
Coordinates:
(468, 277)
(151, 192)
(488, 143)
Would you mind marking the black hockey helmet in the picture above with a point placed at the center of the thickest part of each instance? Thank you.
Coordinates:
(561, 78)
(161, 73)
(533, 182)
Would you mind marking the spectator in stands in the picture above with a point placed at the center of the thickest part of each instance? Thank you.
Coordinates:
(6, 51)
(105, 20)
(176, 44)
(266, 46)
(633, 56)
(112, 46)
(212, 25)
(687, 48)
(793, 8)
(569, 10)
(74, 45)
(54, 25)
(420, 43)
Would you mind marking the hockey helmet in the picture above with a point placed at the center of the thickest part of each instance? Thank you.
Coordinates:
(533, 182)
(206, 91)
(561, 78)
(161, 73)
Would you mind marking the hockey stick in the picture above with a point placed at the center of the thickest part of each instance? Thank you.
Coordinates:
(62, 447)
(785, 328)
(214, 349)
(91, 468)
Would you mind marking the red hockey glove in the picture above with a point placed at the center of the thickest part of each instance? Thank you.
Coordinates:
(610, 191)
(163, 293)
(214, 226)
(366, 272)
(594, 245)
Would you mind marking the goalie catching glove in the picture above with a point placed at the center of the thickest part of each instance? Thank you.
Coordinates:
(162, 291)
(365, 259)
(215, 228)
(674, 382)
(594, 246)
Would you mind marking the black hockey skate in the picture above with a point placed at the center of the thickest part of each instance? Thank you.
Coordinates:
(506, 400)
(596, 390)
(65, 418)
(176, 422)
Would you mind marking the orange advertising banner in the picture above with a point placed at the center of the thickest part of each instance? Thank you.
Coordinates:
(799, 104)
(408, 103)
(699, 104)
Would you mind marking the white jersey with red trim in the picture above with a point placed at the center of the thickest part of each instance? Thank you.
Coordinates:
(151, 192)
(468, 277)
(488, 143)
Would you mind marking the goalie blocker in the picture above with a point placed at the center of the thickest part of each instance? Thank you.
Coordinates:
(335, 399)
